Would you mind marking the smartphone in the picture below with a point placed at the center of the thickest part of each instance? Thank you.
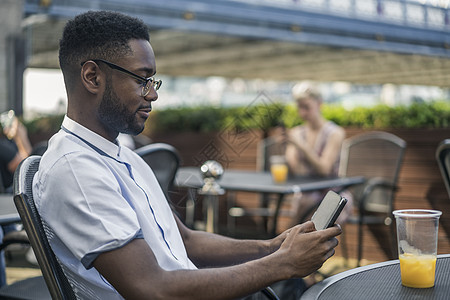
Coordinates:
(328, 210)
(6, 119)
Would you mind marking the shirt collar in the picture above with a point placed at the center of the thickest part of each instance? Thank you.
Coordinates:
(111, 149)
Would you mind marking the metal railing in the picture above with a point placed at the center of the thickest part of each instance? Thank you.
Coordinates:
(424, 14)
(427, 14)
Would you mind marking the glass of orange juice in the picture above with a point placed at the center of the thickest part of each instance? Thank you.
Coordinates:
(278, 168)
(417, 235)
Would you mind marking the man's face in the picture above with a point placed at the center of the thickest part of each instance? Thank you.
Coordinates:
(116, 114)
(123, 108)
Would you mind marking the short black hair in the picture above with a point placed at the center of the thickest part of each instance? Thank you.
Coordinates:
(98, 34)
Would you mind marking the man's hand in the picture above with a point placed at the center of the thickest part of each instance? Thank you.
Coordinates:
(275, 243)
(304, 250)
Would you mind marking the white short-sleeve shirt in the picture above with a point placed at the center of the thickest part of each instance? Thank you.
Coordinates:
(97, 196)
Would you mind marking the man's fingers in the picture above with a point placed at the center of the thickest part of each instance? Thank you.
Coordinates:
(307, 227)
(334, 231)
(293, 233)
(329, 254)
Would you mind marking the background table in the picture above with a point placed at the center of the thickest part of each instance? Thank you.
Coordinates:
(380, 281)
(8, 211)
(260, 182)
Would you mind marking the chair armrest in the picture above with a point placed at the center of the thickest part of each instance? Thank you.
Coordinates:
(372, 184)
(346, 187)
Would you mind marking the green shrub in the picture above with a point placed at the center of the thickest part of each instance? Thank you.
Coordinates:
(423, 115)
(44, 124)
(208, 118)
(197, 119)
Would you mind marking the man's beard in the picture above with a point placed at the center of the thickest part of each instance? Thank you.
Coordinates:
(115, 115)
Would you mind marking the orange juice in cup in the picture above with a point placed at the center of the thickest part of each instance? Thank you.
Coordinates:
(278, 168)
(279, 172)
(417, 271)
(417, 236)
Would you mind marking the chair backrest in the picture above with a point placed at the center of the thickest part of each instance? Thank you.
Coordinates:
(443, 159)
(266, 148)
(375, 155)
(39, 148)
(164, 161)
(52, 272)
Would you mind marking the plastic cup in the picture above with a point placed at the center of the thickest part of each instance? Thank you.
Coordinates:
(417, 236)
(278, 168)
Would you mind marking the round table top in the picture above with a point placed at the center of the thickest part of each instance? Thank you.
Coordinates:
(380, 281)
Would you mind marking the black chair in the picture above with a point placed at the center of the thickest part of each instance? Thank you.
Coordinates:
(164, 161)
(378, 157)
(39, 148)
(443, 159)
(56, 281)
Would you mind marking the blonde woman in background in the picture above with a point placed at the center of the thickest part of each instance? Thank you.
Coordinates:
(313, 148)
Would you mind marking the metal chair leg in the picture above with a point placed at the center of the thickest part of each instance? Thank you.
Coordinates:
(344, 247)
(360, 241)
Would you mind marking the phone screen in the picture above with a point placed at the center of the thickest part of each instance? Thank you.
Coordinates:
(328, 210)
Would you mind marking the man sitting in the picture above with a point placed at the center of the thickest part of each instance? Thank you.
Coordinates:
(112, 228)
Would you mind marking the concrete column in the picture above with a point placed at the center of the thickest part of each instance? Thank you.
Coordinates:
(11, 14)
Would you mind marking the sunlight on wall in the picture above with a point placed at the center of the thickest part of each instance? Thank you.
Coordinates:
(43, 92)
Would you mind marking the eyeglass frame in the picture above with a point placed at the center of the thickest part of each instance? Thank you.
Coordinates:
(155, 83)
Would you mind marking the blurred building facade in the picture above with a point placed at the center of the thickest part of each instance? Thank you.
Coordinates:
(225, 52)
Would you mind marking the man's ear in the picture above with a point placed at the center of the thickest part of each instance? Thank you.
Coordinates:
(91, 77)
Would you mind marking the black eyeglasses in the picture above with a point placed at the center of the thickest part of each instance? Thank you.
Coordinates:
(147, 83)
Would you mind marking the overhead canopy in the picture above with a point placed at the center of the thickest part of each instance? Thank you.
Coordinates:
(239, 40)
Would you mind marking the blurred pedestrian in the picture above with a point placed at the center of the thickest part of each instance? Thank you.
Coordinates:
(14, 147)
